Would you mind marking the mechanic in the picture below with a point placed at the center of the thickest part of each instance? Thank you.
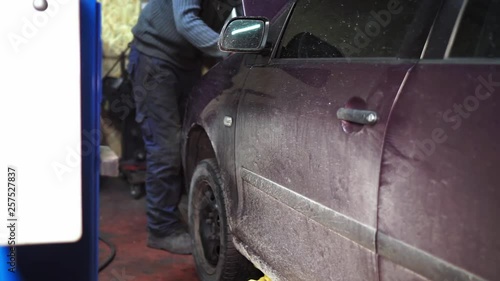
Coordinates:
(164, 62)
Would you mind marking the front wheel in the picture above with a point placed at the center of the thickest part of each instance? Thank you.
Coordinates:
(215, 256)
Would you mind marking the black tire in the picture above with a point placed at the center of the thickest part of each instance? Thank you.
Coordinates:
(215, 256)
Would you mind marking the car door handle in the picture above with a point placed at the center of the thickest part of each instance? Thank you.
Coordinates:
(364, 117)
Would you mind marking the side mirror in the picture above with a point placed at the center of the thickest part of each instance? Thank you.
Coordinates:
(244, 35)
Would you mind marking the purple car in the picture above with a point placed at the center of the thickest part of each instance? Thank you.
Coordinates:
(349, 140)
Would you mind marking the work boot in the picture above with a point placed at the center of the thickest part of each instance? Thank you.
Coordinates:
(178, 242)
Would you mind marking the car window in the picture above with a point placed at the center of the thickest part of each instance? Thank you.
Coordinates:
(358, 28)
(478, 33)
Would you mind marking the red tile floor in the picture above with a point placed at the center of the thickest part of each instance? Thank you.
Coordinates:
(123, 223)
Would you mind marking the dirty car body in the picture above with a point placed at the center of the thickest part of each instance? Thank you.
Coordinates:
(361, 143)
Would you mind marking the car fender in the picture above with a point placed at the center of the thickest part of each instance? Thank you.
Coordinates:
(206, 133)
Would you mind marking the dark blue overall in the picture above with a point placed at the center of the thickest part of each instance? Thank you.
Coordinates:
(160, 91)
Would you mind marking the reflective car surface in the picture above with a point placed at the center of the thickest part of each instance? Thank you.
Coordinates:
(349, 140)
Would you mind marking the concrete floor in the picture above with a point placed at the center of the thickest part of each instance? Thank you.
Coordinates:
(123, 222)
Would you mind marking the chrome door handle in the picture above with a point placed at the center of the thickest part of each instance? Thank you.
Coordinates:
(364, 117)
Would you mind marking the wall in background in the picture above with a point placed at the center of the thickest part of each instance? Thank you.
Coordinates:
(118, 18)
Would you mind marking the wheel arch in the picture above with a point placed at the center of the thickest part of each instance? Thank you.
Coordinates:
(198, 147)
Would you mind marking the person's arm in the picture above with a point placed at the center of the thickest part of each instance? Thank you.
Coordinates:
(192, 27)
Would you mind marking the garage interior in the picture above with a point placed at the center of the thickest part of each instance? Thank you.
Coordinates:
(390, 215)
(123, 254)
(307, 140)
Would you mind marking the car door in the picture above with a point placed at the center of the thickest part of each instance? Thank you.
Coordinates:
(308, 181)
(439, 195)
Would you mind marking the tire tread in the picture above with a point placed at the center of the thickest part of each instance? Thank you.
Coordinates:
(236, 267)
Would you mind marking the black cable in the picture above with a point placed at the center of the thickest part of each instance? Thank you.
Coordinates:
(111, 256)
(120, 58)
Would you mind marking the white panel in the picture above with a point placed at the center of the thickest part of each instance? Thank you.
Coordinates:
(40, 120)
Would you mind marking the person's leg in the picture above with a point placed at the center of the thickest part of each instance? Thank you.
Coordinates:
(156, 91)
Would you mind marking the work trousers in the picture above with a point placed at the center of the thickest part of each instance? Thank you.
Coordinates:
(160, 91)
